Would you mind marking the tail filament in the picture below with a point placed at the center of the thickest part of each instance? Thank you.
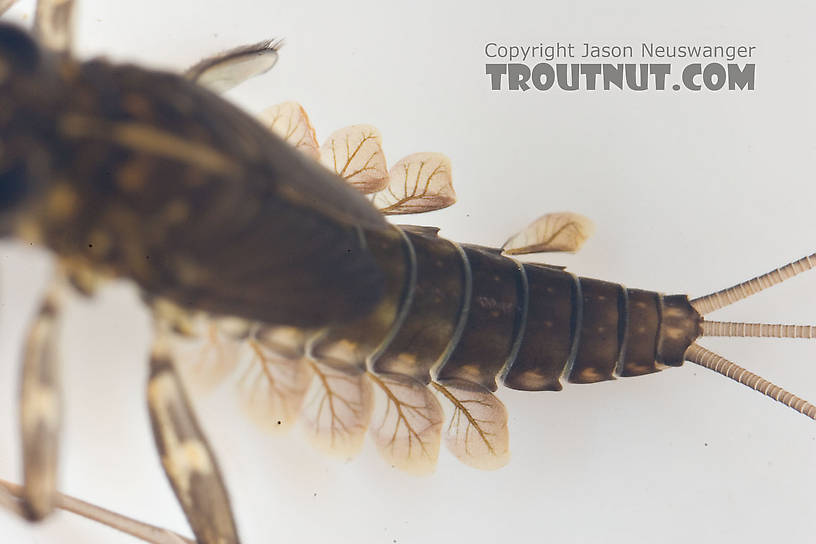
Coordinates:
(709, 303)
(726, 297)
(757, 330)
(709, 359)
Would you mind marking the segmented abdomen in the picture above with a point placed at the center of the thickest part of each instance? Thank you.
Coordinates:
(469, 314)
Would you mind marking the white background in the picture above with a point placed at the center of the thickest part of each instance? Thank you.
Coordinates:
(690, 192)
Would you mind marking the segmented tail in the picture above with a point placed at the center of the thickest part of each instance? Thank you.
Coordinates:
(720, 299)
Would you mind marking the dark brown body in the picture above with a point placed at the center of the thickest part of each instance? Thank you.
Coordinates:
(142, 174)
(473, 314)
(145, 175)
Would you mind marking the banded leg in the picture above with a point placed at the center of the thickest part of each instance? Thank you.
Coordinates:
(186, 456)
(40, 419)
(53, 24)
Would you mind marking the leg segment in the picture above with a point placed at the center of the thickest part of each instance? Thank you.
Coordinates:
(10, 498)
(40, 406)
(186, 456)
(53, 24)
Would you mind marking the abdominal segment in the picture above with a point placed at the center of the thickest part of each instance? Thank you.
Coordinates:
(453, 320)
(459, 313)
